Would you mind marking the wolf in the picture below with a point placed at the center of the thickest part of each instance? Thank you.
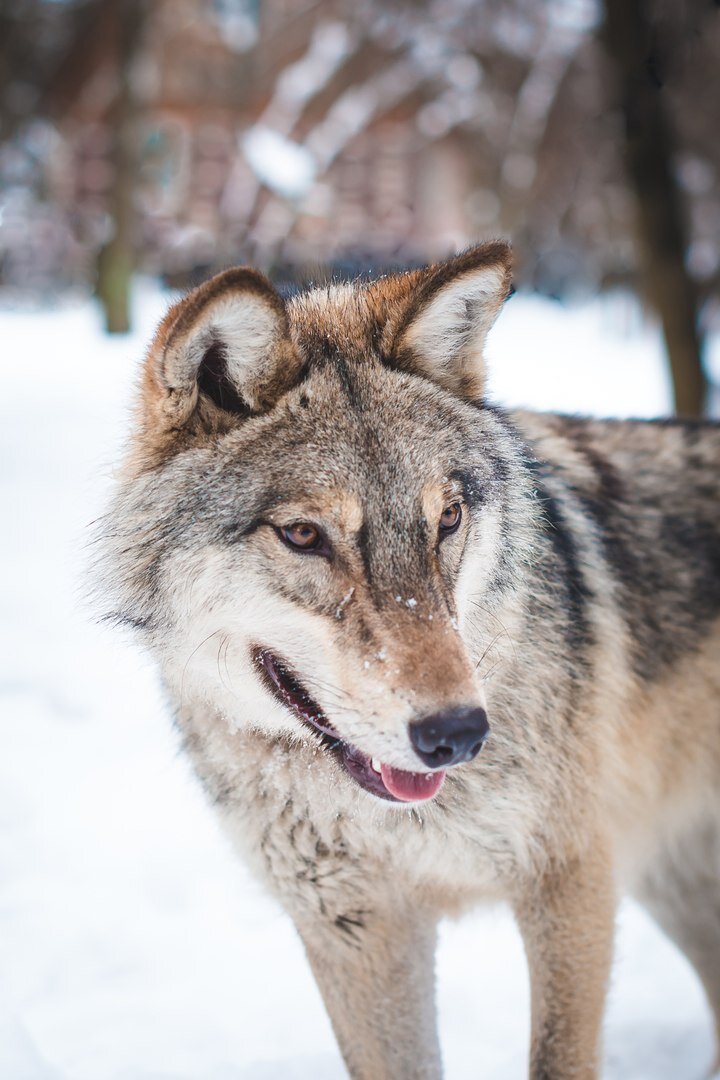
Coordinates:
(424, 652)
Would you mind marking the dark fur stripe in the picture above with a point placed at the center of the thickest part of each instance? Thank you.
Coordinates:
(673, 591)
(472, 491)
(578, 593)
(567, 573)
(364, 547)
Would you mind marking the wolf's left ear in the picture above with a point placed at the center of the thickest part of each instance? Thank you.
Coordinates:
(453, 305)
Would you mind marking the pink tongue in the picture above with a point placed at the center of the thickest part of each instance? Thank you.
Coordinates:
(411, 786)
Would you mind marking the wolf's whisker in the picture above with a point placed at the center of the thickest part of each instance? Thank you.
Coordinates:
(195, 650)
(500, 623)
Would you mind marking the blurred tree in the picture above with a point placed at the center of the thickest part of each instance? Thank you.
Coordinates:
(363, 134)
(49, 55)
(32, 35)
(125, 20)
(632, 41)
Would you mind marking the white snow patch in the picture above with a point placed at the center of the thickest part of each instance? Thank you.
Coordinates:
(598, 358)
(283, 165)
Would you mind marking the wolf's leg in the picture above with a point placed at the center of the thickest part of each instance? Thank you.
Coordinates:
(376, 976)
(682, 893)
(567, 922)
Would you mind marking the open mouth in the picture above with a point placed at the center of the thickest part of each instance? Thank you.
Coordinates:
(384, 781)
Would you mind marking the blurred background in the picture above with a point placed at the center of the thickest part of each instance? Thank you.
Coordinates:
(336, 137)
(145, 144)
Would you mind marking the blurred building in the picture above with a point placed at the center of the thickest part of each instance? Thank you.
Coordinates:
(297, 135)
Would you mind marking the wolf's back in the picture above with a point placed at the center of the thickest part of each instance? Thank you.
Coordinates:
(649, 492)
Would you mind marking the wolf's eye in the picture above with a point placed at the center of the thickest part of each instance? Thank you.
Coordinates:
(450, 519)
(302, 535)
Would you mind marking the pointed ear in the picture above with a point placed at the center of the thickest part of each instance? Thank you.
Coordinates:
(442, 333)
(224, 351)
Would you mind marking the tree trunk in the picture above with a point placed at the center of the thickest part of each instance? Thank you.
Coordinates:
(660, 222)
(116, 260)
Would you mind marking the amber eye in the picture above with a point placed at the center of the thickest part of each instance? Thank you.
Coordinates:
(302, 535)
(450, 519)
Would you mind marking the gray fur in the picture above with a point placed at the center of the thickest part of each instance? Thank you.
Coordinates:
(583, 601)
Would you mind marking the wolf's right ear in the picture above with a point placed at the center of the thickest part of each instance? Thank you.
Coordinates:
(223, 351)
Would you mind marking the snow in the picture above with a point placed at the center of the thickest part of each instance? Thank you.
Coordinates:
(285, 166)
(134, 946)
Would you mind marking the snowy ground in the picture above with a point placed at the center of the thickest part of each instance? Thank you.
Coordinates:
(132, 945)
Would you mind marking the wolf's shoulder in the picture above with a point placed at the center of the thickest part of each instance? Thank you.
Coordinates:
(670, 460)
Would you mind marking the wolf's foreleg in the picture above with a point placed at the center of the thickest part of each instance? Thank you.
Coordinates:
(376, 976)
(567, 922)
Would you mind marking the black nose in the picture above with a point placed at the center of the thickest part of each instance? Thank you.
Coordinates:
(446, 738)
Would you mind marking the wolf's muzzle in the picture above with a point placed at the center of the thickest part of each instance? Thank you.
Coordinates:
(447, 738)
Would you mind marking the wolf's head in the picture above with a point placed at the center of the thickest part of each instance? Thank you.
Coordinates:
(314, 502)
